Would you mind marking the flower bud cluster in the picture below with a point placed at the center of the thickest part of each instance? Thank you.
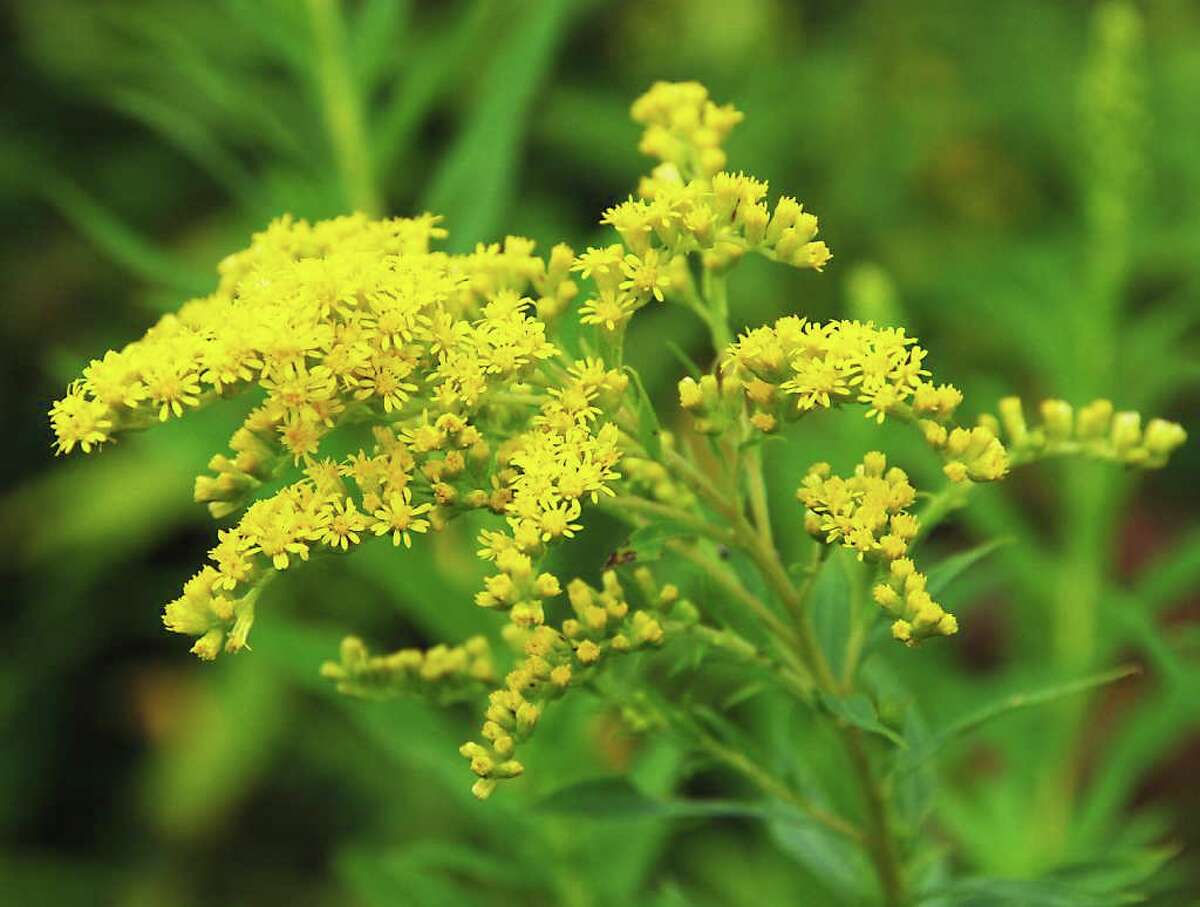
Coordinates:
(684, 128)
(1095, 430)
(552, 660)
(714, 405)
(868, 513)
(444, 673)
(970, 453)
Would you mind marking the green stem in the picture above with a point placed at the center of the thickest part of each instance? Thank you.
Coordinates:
(727, 580)
(342, 106)
(757, 486)
(622, 505)
(951, 497)
(716, 294)
(880, 843)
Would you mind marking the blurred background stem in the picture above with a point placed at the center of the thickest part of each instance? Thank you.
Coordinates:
(342, 107)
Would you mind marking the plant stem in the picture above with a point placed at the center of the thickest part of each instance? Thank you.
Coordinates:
(621, 505)
(950, 497)
(769, 784)
(342, 106)
(716, 294)
(757, 486)
(879, 843)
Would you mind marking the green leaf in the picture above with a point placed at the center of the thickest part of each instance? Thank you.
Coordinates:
(616, 798)
(426, 73)
(379, 881)
(1010, 703)
(649, 429)
(859, 711)
(647, 541)
(914, 798)
(836, 861)
(1047, 892)
(123, 245)
(830, 605)
(944, 573)
(475, 185)
(684, 359)
(193, 137)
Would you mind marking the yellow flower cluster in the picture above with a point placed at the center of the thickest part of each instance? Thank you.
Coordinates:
(444, 673)
(344, 319)
(1094, 431)
(797, 365)
(554, 659)
(794, 366)
(688, 206)
(684, 128)
(868, 513)
(545, 475)
(355, 320)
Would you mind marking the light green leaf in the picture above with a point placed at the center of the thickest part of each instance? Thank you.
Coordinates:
(616, 798)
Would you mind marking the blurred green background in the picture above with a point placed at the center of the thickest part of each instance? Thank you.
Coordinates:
(1017, 181)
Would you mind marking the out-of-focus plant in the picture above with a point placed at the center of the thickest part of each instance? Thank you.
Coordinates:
(400, 389)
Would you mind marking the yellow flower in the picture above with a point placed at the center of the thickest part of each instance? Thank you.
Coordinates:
(645, 275)
(342, 524)
(400, 516)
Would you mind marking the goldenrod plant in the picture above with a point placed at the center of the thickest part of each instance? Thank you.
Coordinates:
(400, 390)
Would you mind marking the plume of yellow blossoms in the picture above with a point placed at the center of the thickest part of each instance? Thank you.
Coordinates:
(456, 365)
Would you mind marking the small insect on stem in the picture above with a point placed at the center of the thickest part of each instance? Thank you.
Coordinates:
(619, 558)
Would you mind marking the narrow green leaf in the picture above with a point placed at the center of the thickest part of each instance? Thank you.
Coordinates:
(830, 605)
(859, 711)
(377, 35)
(424, 78)
(835, 861)
(944, 573)
(475, 185)
(649, 429)
(191, 136)
(1016, 701)
(647, 541)
(119, 242)
(684, 359)
(616, 798)
(1172, 574)
(1021, 893)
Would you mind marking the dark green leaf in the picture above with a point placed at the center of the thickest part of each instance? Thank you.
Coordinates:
(859, 711)
(1016, 701)
(944, 573)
